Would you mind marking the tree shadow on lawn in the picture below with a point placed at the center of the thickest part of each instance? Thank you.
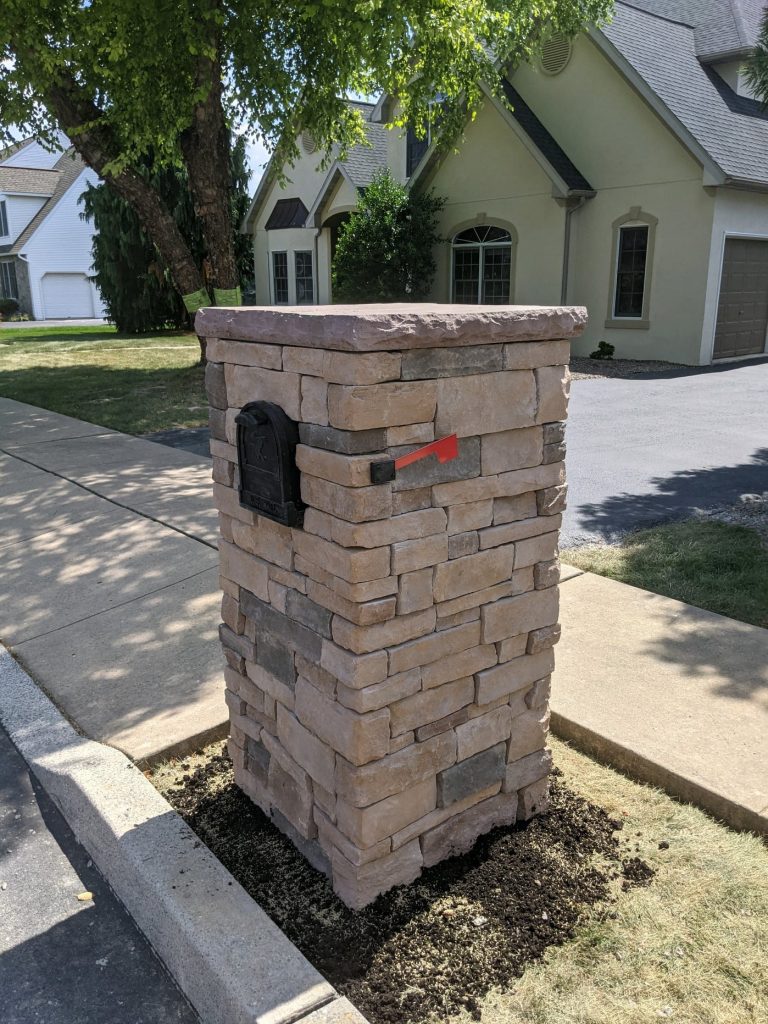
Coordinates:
(437, 946)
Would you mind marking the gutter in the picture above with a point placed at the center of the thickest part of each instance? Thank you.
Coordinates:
(570, 209)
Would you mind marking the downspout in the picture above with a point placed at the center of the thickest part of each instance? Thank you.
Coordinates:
(316, 265)
(570, 209)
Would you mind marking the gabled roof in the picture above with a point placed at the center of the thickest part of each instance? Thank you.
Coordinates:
(14, 147)
(727, 133)
(28, 181)
(722, 28)
(68, 169)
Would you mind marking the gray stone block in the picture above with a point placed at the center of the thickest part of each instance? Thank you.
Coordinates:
(347, 442)
(463, 544)
(553, 453)
(310, 848)
(447, 362)
(241, 645)
(258, 755)
(527, 770)
(269, 620)
(217, 421)
(305, 610)
(554, 433)
(427, 472)
(273, 655)
(215, 385)
(472, 775)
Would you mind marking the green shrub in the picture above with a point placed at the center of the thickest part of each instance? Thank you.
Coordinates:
(604, 350)
(7, 308)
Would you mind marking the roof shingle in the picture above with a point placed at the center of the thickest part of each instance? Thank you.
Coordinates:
(28, 181)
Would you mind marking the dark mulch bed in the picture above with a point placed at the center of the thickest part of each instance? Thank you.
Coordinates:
(428, 950)
(583, 368)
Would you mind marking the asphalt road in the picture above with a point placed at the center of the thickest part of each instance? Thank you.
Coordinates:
(647, 450)
(63, 961)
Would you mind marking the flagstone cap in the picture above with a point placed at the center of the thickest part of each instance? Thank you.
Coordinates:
(390, 326)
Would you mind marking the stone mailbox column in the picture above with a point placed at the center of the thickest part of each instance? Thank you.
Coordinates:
(388, 661)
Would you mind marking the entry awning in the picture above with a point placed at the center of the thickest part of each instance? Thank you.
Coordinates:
(287, 213)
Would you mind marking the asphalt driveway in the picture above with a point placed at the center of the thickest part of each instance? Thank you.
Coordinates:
(650, 449)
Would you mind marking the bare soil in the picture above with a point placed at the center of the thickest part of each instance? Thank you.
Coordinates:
(433, 949)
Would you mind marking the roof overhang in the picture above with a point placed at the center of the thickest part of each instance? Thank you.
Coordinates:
(336, 173)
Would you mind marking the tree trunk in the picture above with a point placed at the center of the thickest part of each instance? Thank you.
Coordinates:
(96, 146)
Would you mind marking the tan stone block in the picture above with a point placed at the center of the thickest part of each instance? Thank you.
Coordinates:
(405, 739)
(549, 501)
(360, 738)
(460, 832)
(510, 509)
(343, 367)
(520, 614)
(511, 449)
(270, 684)
(410, 555)
(477, 710)
(411, 501)
(511, 676)
(360, 886)
(465, 663)
(364, 614)
(353, 565)
(227, 501)
(472, 515)
(529, 733)
(429, 648)
(331, 839)
(269, 541)
(532, 800)
(364, 639)
(512, 647)
(540, 639)
(518, 583)
(244, 569)
(413, 433)
(292, 580)
(431, 705)
(315, 674)
(277, 752)
(229, 587)
(373, 782)
(481, 733)
(381, 405)
(223, 450)
(278, 595)
(354, 670)
(536, 549)
(251, 384)
(485, 402)
(225, 527)
(527, 770)
(415, 591)
(426, 732)
(230, 427)
(473, 572)
(292, 798)
(457, 619)
(370, 590)
(530, 354)
(367, 826)
(503, 485)
(222, 471)
(552, 385)
(538, 695)
(314, 756)
(356, 504)
(508, 533)
(314, 401)
(546, 574)
(219, 350)
(380, 695)
(347, 470)
(231, 614)
(410, 526)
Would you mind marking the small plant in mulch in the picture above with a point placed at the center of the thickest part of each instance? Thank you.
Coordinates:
(604, 350)
(434, 948)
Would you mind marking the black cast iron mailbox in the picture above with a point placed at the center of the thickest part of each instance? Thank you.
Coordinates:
(266, 452)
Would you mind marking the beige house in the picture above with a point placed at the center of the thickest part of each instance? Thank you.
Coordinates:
(631, 176)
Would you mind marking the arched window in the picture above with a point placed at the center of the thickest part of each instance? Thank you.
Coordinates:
(482, 265)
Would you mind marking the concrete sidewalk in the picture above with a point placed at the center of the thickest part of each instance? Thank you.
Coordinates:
(109, 580)
(109, 595)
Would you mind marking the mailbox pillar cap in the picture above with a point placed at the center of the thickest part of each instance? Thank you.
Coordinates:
(390, 326)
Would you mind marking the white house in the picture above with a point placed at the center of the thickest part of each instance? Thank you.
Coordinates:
(45, 245)
(629, 173)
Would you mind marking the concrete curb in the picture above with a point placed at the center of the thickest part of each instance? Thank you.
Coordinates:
(231, 961)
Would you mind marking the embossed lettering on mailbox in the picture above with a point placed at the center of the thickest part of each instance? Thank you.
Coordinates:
(266, 452)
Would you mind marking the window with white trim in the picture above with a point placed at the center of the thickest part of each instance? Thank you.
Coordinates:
(631, 264)
(280, 278)
(305, 281)
(482, 265)
(3, 218)
(9, 288)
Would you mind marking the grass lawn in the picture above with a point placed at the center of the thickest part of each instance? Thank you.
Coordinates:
(691, 947)
(134, 384)
(711, 565)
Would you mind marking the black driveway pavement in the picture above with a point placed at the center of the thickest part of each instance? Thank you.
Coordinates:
(649, 449)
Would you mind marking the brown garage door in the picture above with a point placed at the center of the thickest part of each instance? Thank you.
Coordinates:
(742, 313)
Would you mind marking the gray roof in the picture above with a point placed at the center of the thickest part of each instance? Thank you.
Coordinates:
(721, 27)
(28, 181)
(731, 130)
(68, 169)
(364, 162)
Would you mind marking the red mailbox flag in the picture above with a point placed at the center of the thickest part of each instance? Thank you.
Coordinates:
(445, 449)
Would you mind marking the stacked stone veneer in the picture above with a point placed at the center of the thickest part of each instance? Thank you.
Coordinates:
(388, 664)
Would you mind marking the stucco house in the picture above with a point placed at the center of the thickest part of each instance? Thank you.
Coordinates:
(631, 176)
(45, 246)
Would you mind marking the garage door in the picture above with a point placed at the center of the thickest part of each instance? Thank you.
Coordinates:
(742, 313)
(66, 296)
